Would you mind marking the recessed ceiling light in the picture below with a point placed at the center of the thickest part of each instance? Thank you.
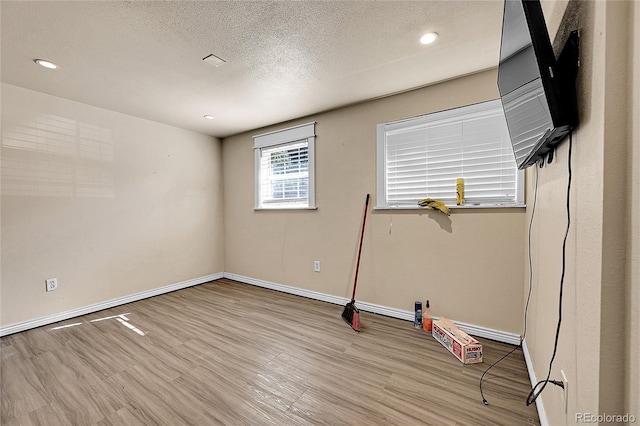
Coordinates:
(209, 117)
(46, 64)
(428, 38)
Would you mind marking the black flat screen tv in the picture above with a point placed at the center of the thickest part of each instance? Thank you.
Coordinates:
(537, 91)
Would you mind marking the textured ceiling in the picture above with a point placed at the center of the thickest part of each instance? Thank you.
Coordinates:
(283, 59)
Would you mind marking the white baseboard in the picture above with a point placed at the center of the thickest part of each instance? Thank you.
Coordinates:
(532, 376)
(474, 330)
(288, 289)
(50, 319)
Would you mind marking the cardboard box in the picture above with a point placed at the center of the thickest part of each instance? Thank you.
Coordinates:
(467, 349)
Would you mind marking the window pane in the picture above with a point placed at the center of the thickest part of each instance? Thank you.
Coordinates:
(284, 173)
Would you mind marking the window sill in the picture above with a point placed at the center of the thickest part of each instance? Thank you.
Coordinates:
(468, 206)
(262, 209)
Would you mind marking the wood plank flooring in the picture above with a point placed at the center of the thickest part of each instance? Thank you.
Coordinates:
(226, 353)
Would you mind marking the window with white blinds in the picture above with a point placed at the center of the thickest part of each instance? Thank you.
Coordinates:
(423, 156)
(284, 168)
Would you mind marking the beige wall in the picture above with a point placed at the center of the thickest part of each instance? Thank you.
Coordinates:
(109, 204)
(470, 266)
(594, 349)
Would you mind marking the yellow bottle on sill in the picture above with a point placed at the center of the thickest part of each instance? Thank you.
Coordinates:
(460, 191)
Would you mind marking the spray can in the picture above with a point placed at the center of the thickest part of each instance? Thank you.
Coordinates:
(459, 191)
(427, 321)
(417, 321)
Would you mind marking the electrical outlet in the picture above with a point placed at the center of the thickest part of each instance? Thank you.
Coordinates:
(316, 266)
(51, 284)
(565, 390)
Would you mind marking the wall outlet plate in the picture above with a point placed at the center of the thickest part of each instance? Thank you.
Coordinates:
(316, 266)
(51, 284)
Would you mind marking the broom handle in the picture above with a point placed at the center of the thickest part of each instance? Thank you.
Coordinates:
(364, 220)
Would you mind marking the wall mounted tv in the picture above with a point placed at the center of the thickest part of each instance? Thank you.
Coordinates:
(537, 91)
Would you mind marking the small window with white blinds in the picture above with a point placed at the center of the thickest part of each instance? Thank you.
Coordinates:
(424, 156)
(285, 168)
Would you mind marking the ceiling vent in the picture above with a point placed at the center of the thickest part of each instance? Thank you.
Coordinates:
(214, 60)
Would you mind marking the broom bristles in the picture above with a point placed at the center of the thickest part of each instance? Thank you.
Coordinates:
(355, 323)
(351, 315)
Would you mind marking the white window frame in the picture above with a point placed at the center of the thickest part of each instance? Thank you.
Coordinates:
(455, 115)
(285, 137)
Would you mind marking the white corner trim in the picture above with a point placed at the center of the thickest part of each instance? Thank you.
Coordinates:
(61, 316)
(532, 377)
(474, 330)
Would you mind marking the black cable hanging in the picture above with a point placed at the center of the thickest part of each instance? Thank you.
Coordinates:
(526, 309)
(533, 395)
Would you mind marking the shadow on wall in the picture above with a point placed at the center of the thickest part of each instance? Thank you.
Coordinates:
(441, 219)
(53, 156)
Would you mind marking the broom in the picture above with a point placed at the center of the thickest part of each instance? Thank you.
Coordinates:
(351, 314)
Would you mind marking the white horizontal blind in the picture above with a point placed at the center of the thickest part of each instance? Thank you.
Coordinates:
(422, 157)
(284, 174)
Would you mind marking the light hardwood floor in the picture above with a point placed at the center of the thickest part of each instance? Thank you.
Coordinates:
(234, 354)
